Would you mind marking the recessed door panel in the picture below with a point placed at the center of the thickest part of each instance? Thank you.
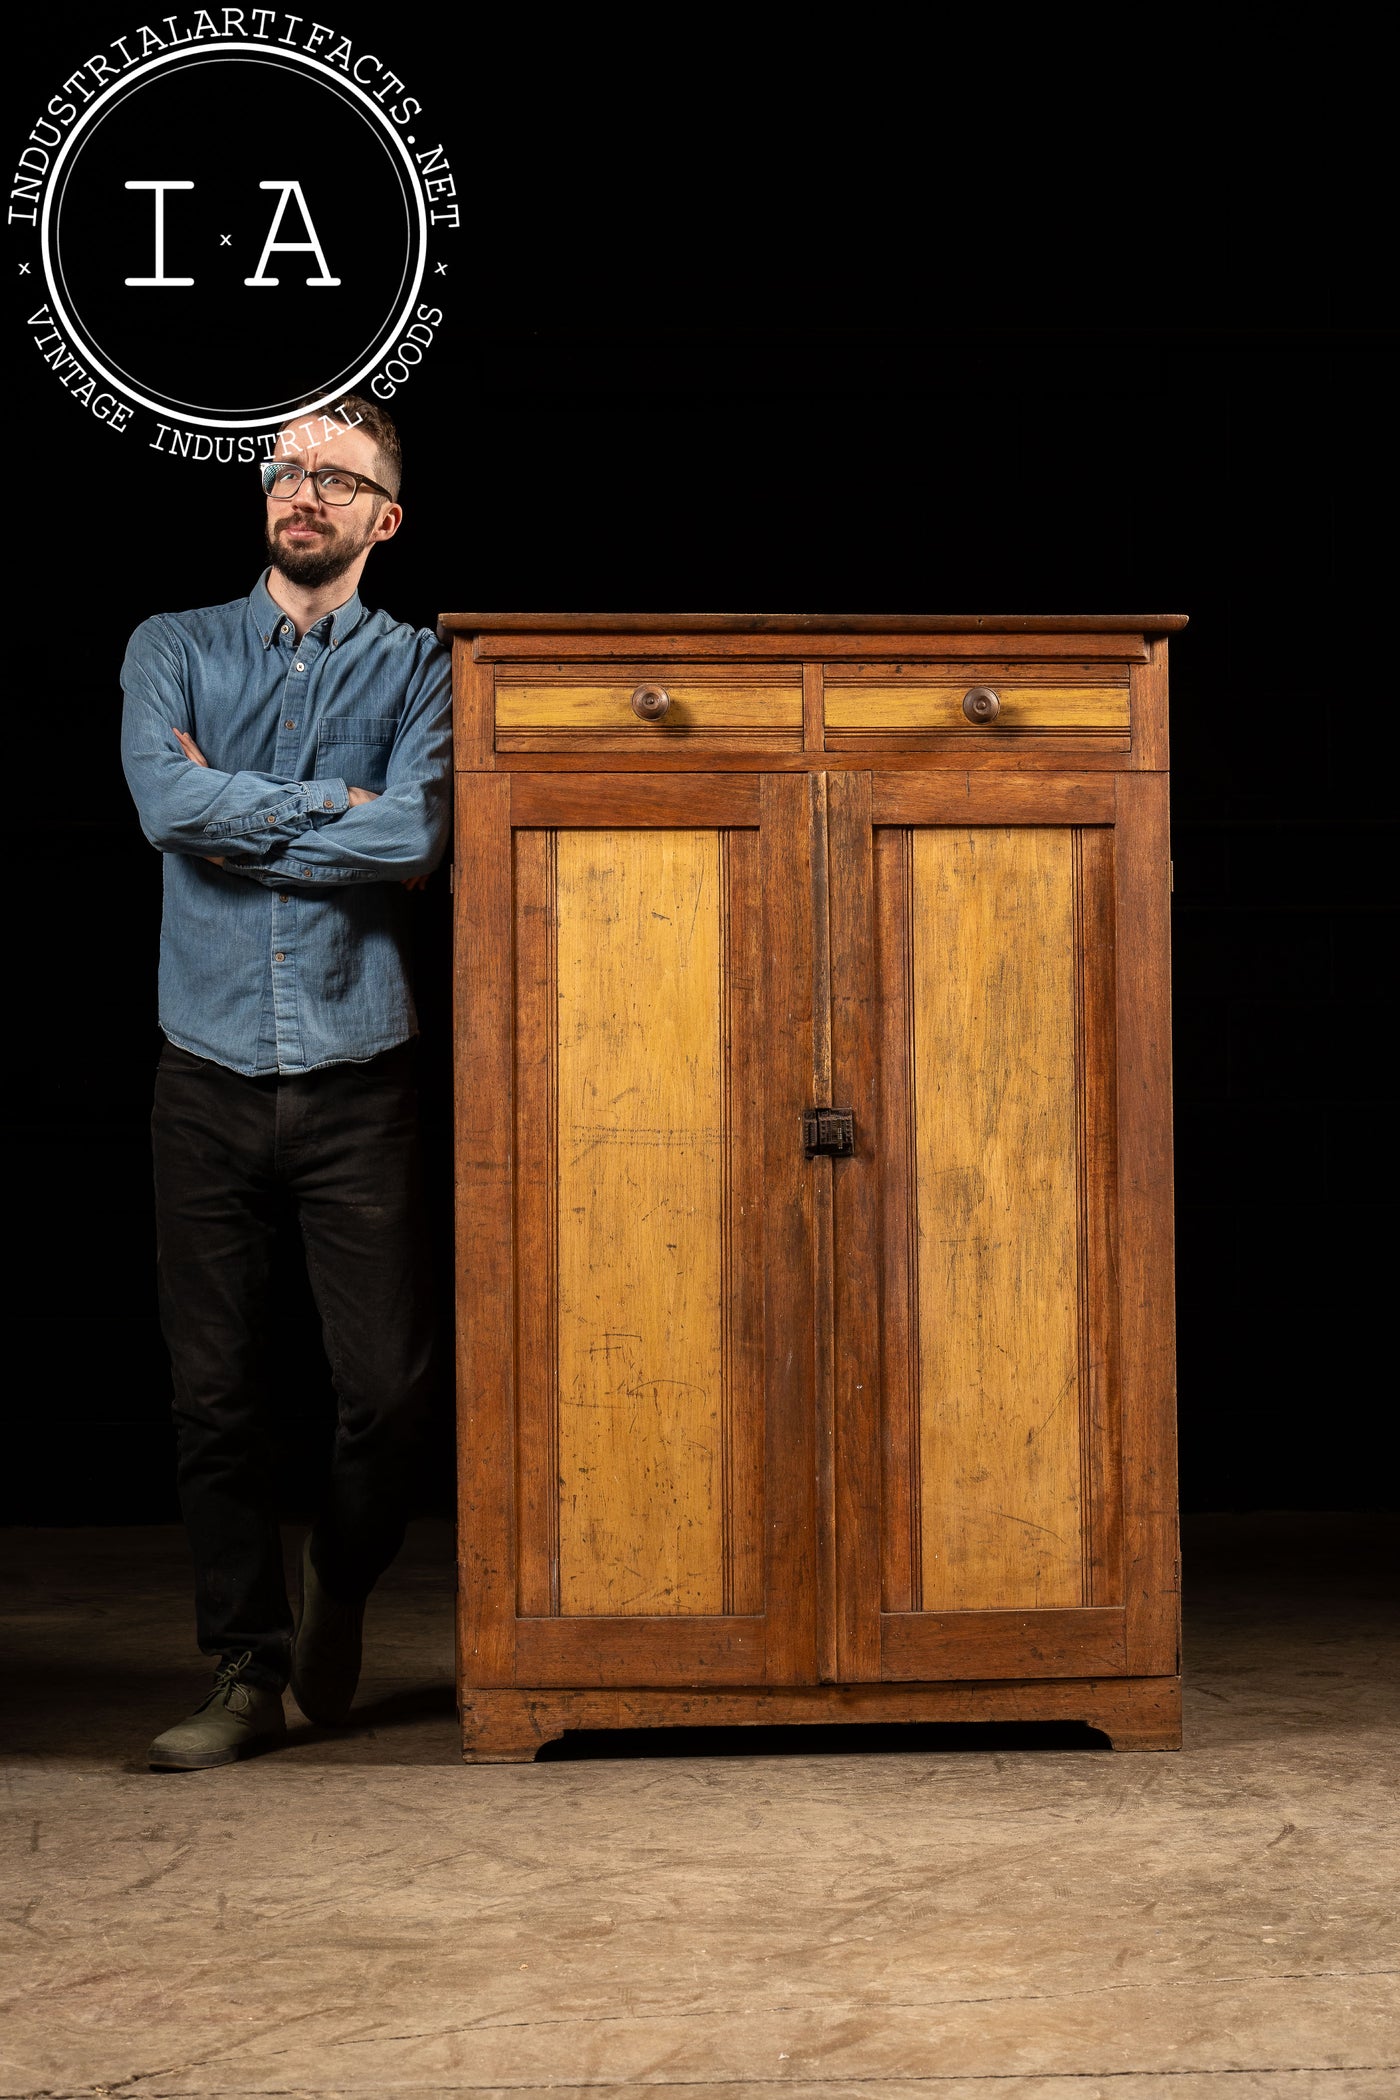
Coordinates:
(640, 1220)
(996, 1143)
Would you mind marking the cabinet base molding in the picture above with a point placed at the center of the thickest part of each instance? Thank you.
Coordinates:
(508, 1727)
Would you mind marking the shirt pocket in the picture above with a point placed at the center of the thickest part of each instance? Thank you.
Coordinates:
(356, 751)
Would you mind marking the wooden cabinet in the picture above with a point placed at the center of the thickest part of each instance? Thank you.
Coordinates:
(752, 1430)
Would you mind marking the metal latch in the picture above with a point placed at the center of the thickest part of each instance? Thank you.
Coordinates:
(829, 1132)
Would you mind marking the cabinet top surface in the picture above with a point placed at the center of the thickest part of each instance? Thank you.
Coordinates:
(811, 623)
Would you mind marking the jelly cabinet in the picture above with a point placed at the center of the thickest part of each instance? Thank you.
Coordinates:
(813, 1172)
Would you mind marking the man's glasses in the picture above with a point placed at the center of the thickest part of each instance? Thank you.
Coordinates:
(333, 484)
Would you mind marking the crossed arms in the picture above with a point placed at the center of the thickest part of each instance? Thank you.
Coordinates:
(357, 796)
(277, 831)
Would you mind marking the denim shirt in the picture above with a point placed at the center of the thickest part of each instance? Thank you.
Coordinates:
(292, 954)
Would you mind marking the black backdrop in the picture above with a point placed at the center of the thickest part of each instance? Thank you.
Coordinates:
(694, 360)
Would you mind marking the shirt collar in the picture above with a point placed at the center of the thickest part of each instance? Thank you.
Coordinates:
(267, 615)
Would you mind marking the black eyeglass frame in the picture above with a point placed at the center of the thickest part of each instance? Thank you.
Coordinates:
(271, 468)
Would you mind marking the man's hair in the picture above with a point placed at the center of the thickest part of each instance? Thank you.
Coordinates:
(354, 411)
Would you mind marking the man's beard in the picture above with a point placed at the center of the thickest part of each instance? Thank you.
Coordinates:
(313, 566)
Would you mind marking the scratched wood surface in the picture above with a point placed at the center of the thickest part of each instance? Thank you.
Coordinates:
(576, 705)
(747, 1054)
(1142, 1713)
(901, 1523)
(641, 1189)
(749, 625)
(1126, 646)
(907, 706)
(1060, 672)
(993, 992)
(486, 1269)
(536, 1044)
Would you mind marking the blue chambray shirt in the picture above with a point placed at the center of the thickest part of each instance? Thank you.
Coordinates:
(292, 954)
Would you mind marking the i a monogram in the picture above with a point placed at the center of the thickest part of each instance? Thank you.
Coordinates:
(271, 246)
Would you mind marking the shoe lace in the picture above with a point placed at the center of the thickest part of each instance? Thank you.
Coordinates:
(228, 1685)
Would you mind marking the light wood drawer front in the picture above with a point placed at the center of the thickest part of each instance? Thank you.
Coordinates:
(903, 706)
(730, 708)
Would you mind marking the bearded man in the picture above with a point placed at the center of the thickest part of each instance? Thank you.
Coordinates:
(289, 756)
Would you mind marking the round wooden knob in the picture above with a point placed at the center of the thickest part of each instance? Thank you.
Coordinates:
(981, 704)
(650, 702)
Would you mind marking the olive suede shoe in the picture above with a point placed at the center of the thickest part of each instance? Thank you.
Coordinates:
(235, 1719)
(325, 1650)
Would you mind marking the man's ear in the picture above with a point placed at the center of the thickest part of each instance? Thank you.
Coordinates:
(388, 521)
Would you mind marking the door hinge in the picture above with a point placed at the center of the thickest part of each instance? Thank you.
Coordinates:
(829, 1132)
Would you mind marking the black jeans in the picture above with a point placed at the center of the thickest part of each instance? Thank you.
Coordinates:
(338, 1151)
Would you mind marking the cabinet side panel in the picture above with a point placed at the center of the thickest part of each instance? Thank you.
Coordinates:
(1145, 1226)
(993, 925)
(640, 1222)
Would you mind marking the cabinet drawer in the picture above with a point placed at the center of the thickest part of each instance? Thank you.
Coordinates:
(884, 704)
(577, 705)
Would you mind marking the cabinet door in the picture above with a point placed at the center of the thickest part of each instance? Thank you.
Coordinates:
(1003, 1402)
(634, 987)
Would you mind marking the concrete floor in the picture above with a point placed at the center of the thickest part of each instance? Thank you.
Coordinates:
(915, 1915)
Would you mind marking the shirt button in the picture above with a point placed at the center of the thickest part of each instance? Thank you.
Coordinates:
(271, 818)
(289, 725)
(283, 898)
(286, 627)
(298, 667)
(328, 804)
(279, 956)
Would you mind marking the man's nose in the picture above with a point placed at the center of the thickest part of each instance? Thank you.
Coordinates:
(308, 496)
